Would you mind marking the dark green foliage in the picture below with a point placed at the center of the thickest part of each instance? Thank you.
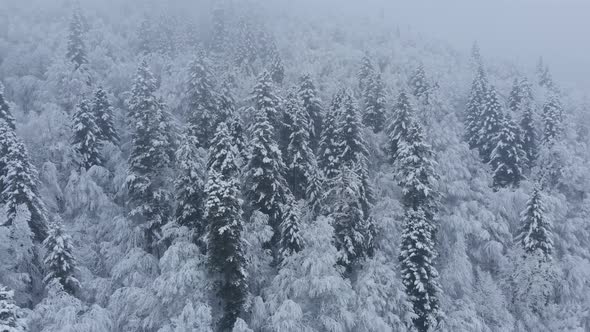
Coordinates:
(474, 111)
(507, 157)
(535, 233)
(86, 136)
(103, 117)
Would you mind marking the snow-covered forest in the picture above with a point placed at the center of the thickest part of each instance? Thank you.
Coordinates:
(175, 166)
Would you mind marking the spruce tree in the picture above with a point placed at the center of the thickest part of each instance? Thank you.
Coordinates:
(476, 55)
(277, 70)
(552, 120)
(150, 159)
(419, 85)
(291, 241)
(265, 100)
(520, 95)
(299, 158)
(5, 114)
(374, 100)
(59, 259)
(367, 69)
(189, 189)
(11, 316)
(535, 234)
(330, 151)
(397, 129)
(21, 187)
(474, 111)
(416, 176)
(311, 104)
(226, 104)
(529, 135)
(202, 102)
(491, 124)
(507, 157)
(222, 153)
(236, 131)
(76, 52)
(543, 74)
(7, 127)
(86, 136)
(103, 117)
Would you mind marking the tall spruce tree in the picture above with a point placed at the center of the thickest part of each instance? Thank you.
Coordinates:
(150, 159)
(277, 70)
(7, 127)
(76, 52)
(330, 150)
(417, 177)
(529, 134)
(189, 189)
(222, 153)
(520, 95)
(492, 116)
(291, 241)
(507, 157)
(397, 129)
(535, 234)
(311, 104)
(86, 136)
(474, 111)
(367, 69)
(59, 259)
(202, 102)
(11, 315)
(264, 99)
(552, 119)
(103, 117)
(5, 114)
(374, 100)
(419, 85)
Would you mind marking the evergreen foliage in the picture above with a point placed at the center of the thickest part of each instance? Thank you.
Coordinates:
(474, 111)
(308, 95)
(535, 234)
(264, 99)
(103, 117)
(5, 114)
(291, 241)
(202, 102)
(508, 155)
(329, 151)
(419, 85)
(552, 120)
(529, 135)
(11, 316)
(397, 130)
(366, 70)
(76, 52)
(59, 259)
(86, 141)
(492, 116)
(374, 102)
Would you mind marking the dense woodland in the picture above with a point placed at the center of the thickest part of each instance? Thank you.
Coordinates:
(273, 166)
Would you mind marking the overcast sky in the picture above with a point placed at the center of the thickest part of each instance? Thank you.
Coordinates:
(521, 30)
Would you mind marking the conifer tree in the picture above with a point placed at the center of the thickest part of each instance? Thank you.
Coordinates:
(476, 55)
(397, 129)
(535, 234)
(76, 49)
(544, 76)
(5, 114)
(374, 99)
(151, 157)
(474, 111)
(189, 185)
(330, 151)
(266, 188)
(419, 85)
(60, 260)
(291, 241)
(7, 127)
(246, 49)
(311, 104)
(103, 117)
(21, 187)
(507, 157)
(367, 69)
(529, 135)
(222, 153)
(277, 70)
(236, 131)
(219, 33)
(552, 120)
(265, 100)
(226, 103)
(416, 176)
(11, 319)
(491, 124)
(202, 102)
(86, 135)
(520, 95)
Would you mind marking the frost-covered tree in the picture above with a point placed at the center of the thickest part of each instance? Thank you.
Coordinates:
(535, 234)
(264, 99)
(329, 151)
(277, 70)
(374, 102)
(11, 316)
(7, 137)
(399, 124)
(226, 103)
(291, 241)
(226, 256)
(544, 75)
(103, 117)
(308, 95)
(202, 101)
(474, 111)
(76, 49)
(222, 153)
(507, 157)
(5, 114)
(86, 136)
(366, 70)
(219, 33)
(189, 188)
(529, 134)
(419, 85)
(492, 116)
(552, 119)
(59, 259)
(520, 95)
(193, 319)
(150, 159)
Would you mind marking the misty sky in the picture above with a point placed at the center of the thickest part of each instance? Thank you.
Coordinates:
(519, 30)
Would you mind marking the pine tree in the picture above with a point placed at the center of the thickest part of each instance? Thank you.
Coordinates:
(222, 153)
(397, 129)
(529, 135)
(202, 102)
(291, 241)
(60, 260)
(299, 159)
(151, 157)
(21, 187)
(520, 95)
(374, 99)
(5, 114)
(552, 120)
(311, 104)
(419, 85)
(266, 188)
(226, 257)
(11, 319)
(236, 131)
(474, 111)
(367, 69)
(507, 157)
(76, 49)
(85, 138)
(329, 151)
(491, 124)
(189, 185)
(226, 103)
(103, 117)
(265, 100)
(535, 233)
